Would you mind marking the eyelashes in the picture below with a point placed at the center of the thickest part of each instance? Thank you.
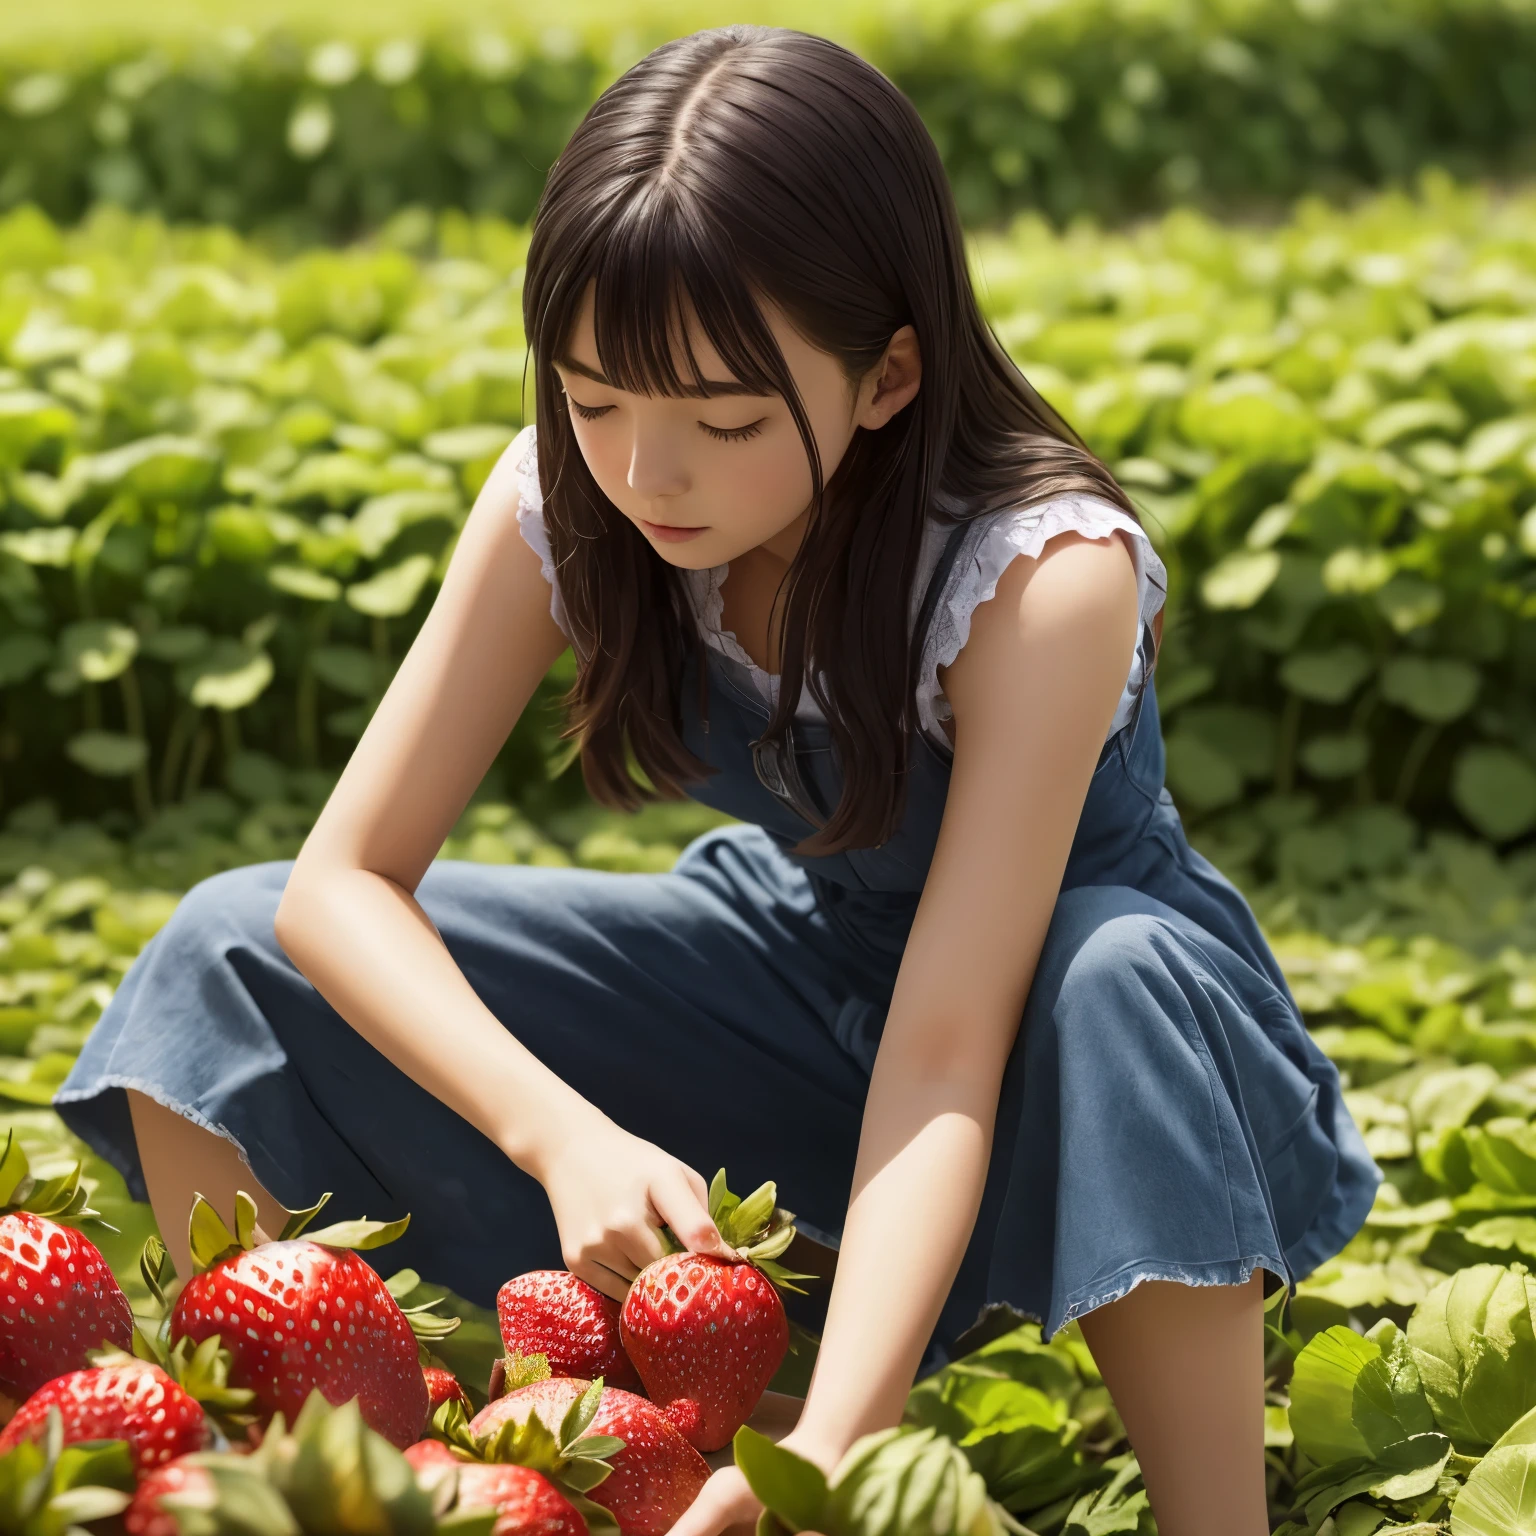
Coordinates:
(725, 434)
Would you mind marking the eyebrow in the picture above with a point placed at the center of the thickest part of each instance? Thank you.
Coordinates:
(711, 387)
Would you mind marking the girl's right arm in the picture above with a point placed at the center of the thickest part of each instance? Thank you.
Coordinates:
(350, 922)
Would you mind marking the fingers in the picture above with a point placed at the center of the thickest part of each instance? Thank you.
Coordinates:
(600, 1277)
(724, 1504)
(682, 1206)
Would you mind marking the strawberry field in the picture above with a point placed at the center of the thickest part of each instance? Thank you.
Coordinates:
(241, 424)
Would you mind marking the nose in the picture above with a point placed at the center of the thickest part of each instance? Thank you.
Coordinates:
(656, 467)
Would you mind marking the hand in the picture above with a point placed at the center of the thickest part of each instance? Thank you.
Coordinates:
(611, 1193)
(725, 1504)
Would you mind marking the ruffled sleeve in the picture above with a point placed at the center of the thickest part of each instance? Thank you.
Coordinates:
(1003, 538)
(530, 516)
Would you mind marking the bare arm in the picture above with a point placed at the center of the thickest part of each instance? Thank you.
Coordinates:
(350, 921)
(1033, 694)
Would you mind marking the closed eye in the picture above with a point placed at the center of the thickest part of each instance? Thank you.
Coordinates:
(725, 434)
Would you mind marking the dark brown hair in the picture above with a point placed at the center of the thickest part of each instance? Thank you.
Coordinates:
(745, 162)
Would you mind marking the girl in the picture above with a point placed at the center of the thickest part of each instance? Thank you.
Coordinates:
(828, 563)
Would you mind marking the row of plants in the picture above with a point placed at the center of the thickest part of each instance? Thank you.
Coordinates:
(231, 484)
(1104, 105)
(1401, 1380)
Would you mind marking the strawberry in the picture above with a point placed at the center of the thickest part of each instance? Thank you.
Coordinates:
(58, 1299)
(300, 1314)
(706, 1334)
(180, 1479)
(525, 1501)
(656, 1475)
(551, 1312)
(132, 1400)
(443, 1386)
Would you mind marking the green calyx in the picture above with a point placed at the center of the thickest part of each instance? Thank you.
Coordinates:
(426, 1323)
(570, 1457)
(50, 1489)
(890, 1483)
(757, 1227)
(509, 1372)
(62, 1198)
(210, 1240)
(329, 1476)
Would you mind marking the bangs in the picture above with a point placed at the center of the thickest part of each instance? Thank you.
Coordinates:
(657, 263)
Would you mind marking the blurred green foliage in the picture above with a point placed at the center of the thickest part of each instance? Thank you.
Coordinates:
(328, 126)
(231, 484)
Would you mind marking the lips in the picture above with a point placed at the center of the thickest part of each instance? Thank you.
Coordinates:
(668, 533)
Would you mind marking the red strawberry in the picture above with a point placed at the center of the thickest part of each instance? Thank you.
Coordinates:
(134, 1401)
(430, 1453)
(525, 1501)
(57, 1300)
(655, 1477)
(145, 1517)
(57, 1296)
(443, 1386)
(550, 1312)
(706, 1334)
(300, 1314)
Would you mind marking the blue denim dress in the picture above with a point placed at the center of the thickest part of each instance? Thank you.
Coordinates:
(1164, 1113)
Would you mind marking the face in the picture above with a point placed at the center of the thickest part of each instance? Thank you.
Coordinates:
(707, 479)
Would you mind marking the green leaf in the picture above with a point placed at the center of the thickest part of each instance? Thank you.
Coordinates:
(1354, 1397)
(230, 677)
(1240, 579)
(1335, 757)
(1499, 1497)
(1433, 691)
(361, 1234)
(207, 1236)
(394, 591)
(1474, 1342)
(302, 582)
(1327, 677)
(107, 754)
(791, 1487)
(1495, 789)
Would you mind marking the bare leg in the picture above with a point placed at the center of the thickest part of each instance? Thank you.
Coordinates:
(1185, 1367)
(181, 1160)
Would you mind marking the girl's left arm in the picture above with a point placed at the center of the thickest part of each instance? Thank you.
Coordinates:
(1033, 694)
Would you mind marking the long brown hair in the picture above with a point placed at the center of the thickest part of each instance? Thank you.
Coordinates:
(747, 161)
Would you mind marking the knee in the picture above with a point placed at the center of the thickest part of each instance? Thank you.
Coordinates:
(1108, 976)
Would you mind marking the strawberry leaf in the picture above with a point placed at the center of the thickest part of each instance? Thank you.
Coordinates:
(245, 1220)
(14, 1173)
(402, 1283)
(360, 1234)
(600, 1521)
(207, 1236)
(578, 1417)
(152, 1261)
(298, 1220)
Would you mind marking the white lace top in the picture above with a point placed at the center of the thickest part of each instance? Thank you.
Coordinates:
(990, 545)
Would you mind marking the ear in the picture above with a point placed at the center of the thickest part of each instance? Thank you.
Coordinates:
(892, 382)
